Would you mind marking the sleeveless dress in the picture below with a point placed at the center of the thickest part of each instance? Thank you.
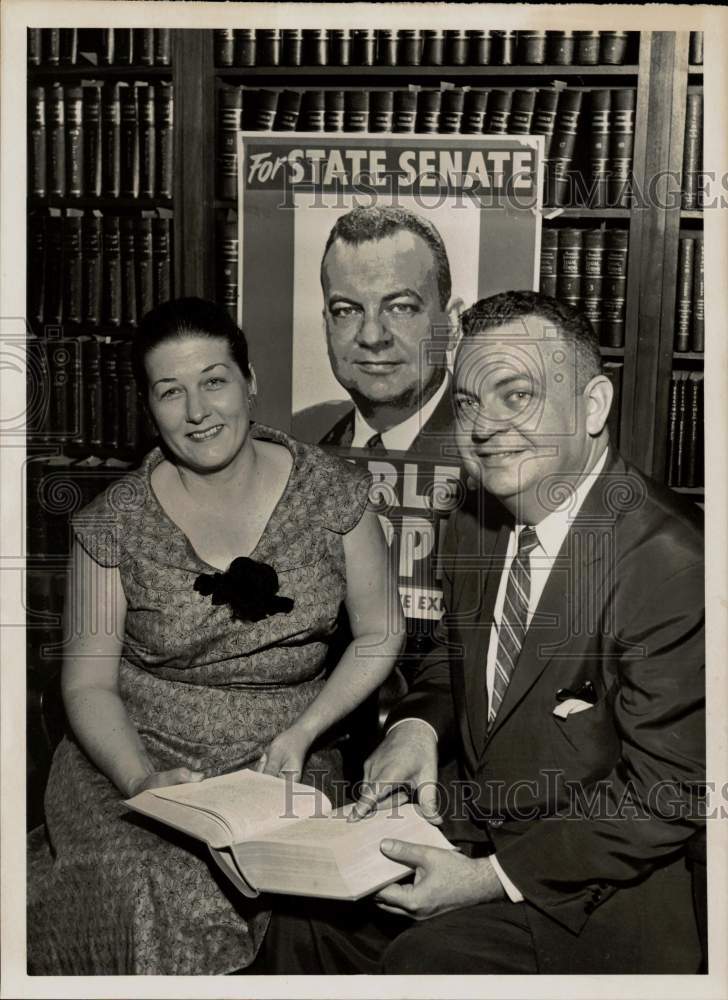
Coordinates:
(110, 892)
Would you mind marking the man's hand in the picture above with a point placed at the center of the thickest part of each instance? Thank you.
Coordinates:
(407, 756)
(444, 880)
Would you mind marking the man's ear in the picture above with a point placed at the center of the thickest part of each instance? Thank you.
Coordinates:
(453, 311)
(598, 396)
(252, 382)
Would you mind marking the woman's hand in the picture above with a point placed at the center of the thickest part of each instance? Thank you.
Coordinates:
(286, 753)
(160, 779)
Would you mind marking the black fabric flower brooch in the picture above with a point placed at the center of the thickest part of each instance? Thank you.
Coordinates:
(250, 589)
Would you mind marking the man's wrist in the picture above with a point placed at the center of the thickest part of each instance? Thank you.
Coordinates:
(413, 718)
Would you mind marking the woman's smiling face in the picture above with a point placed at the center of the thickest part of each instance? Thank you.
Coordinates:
(198, 398)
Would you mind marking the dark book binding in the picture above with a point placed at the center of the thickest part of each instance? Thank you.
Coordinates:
(144, 46)
(123, 47)
(72, 270)
(433, 47)
(111, 125)
(112, 271)
(522, 108)
(36, 269)
(38, 141)
(74, 142)
(695, 56)
(531, 48)
(694, 429)
(356, 110)
(549, 255)
(314, 48)
(146, 109)
(228, 289)
(570, 266)
(129, 130)
(697, 340)
(268, 46)
(692, 153)
(678, 460)
(110, 382)
(56, 140)
(560, 47)
(230, 110)
(92, 269)
(456, 48)
(498, 115)
(128, 273)
(561, 153)
(288, 109)
(409, 50)
(165, 139)
(613, 47)
(621, 146)
(474, 107)
(259, 109)
(340, 47)
(52, 46)
(404, 115)
(615, 287)
(162, 47)
(107, 47)
(333, 110)
(162, 260)
(92, 398)
(92, 139)
(54, 268)
(62, 419)
(684, 304)
(224, 46)
(128, 397)
(451, 110)
(598, 147)
(292, 53)
(592, 285)
(145, 266)
(311, 116)
(35, 46)
(381, 111)
(244, 46)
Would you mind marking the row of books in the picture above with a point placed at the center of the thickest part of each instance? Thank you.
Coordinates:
(692, 188)
(93, 402)
(413, 47)
(685, 454)
(588, 135)
(99, 47)
(97, 271)
(587, 268)
(690, 299)
(92, 140)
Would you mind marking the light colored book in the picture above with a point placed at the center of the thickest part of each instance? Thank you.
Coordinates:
(269, 834)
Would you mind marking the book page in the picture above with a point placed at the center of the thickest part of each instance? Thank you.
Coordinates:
(248, 803)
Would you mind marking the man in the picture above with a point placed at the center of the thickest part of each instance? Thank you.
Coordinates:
(389, 319)
(566, 689)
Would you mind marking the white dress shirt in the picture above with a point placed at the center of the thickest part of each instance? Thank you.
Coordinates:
(401, 436)
(551, 532)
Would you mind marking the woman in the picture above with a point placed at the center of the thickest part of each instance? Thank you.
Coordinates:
(186, 660)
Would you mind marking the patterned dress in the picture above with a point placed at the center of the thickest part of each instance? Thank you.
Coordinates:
(113, 893)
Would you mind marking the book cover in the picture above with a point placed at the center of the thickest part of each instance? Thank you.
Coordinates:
(128, 272)
(72, 270)
(162, 47)
(480, 46)
(498, 114)
(259, 108)
(409, 50)
(549, 254)
(129, 131)
(74, 142)
(433, 47)
(693, 151)
(110, 388)
(314, 47)
(92, 142)
(684, 296)
(694, 431)
(333, 111)
(143, 46)
(570, 267)
(695, 56)
(123, 47)
(92, 268)
(162, 260)
(671, 429)
(592, 286)
(36, 269)
(598, 147)
(356, 110)
(522, 108)
(697, 338)
(228, 271)
(230, 110)
(107, 46)
(558, 180)
(38, 139)
(147, 141)
(145, 267)
(678, 466)
(287, 111)
(244, 46)
(474, 108)
(614, 294)
(93, 393)
(404, 114)
(54, 268)
(224, 46)
(35, 46)
(112, 271)
(456, 47)
(56, 150)
(165, 139)
(381, 111)
(311, 115)
(52, 45)
(128, 397)
(268, 46)
(111, 124)
(340, 47)
(451, 110)
(621, 146)
(544, 117)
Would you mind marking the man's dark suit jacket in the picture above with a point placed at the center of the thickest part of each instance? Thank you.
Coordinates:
(623, 608)
(436, 437)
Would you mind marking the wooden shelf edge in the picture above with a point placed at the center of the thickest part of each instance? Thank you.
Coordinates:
(627, 69)
(689, 490)
(688, 356)
(88, 70)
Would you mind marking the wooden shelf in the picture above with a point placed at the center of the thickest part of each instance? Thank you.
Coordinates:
(90, 201)
(691, 213)
(413, 72)
(82, 71)
(688, 356)
(612, 352)
(689, 490)
(575, 212)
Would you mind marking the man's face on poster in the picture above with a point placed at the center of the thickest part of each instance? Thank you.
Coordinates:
(381, 305)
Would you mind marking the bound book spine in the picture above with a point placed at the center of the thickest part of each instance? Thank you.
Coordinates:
(697, 342)
(123, 47)
(128, 397)
(685, 266)
(35, 46)
(129, 186)
(678, 470)
(433, 48)
(451, 110)
(92, 269)
(93, 393)
(499, 112)
(162, 47)
(107, 46)
(404, 114)
(244, 46)
(549, 255)
(312, 111)
(60, 361)
(621, 146)
(36, 269)
(92, 139)
(313, 49)
(480, 46)
(52, 45)
(224, 46)
(570, 266)
(696, 48)
(54, 269)
(268, 46)
(165, 138)
(229, 264)
(592, 288)
(162, 259)
(671, 430)
(112, 271)
(428, 111)
(615, 287)
(693, 407)
(230, 110)
(340, 47)
(38, 139)
(692, 154)
(356, 110)
(56, 141)
(261, 109)
(381, 111)
(112, 402)
(409, 50)
(128, 273)
(68, 43)
(614, 371)
(145, 269)
(613, 47)
(74, 142)
(72, 270)
(111, 122)
(363, 46)
(598, 150)
(143, 46)
(474, 106)
(560, 47)
(147, 141)
(287, 111)
(74, 403)
(562, 147)
(522, 109)
(544, 117)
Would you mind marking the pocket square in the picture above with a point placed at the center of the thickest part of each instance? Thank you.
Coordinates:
(571, 706)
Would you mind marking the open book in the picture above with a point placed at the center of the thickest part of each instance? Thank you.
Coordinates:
(272, 835)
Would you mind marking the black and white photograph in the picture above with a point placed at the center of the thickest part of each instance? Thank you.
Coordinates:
(363, 497)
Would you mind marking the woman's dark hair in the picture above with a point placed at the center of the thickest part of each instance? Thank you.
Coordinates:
(186, 317)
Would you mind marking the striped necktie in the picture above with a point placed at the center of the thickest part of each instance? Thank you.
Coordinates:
(375, 443)
(514, 619)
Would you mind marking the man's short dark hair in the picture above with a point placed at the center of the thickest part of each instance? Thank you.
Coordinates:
(573, 326)
(364, 225)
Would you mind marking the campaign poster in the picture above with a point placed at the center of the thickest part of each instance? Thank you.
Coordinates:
(357, 253)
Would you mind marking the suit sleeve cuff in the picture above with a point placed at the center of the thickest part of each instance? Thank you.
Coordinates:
(414, 719)
(511, 891)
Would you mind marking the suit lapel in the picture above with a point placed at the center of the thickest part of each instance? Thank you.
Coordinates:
(342, 433)
(576, 578)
